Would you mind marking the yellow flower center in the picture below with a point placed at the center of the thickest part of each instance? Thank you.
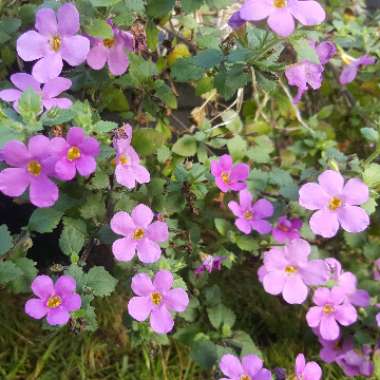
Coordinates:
(56, 43)
(73, 153)
(328, 309)
(34, 168)
(123, 159)
(225, 177)
(290, 269)
(109, 42)
(138, 234)
(248, 215)
(53, 302)
(245, 377)
(156, 298)
(280, 3)
(347, 59)
(335, 203)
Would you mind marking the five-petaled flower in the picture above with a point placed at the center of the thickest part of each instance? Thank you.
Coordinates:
(49, 92)
(156, 300)
(336, 204)
(331, 310)
(352, 66)
(55, 301)
(55, 41)
(140, 235)
(286, 229)
(251, 215)
(307, 370)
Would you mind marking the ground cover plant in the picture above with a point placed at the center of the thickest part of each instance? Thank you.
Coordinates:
(189, 189)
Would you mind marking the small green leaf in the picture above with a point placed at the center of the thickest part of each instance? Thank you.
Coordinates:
(186, 146)
(220, 316)
(6, 242)
(104, 126)
(44, 220)
(371, 175)
(9, 272)
(100, 281)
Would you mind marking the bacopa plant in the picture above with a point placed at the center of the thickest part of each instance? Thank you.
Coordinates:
(222, 156)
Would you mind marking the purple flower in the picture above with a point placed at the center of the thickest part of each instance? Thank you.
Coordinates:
(235, 21)
(56, 39)
(287, 229)
(77, 152)
(210, 263)
(356, 362)
(350, 70)
(307, 371)
(112, 51)
(251, 216)
(287, 270)
(337, 204)
(333, 349)
(140, 235)
(156, 300)
(31, 167)
(281, 13)
(347, 282)
(123, 133)
(306, 74)
(249, 368)
(376, 270)
(55, 301)
(228, 176)
(48, 94)
(129, 172)
(332, 309)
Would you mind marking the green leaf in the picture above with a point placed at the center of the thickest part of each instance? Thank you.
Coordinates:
(185, 69)
(186, 146)
(73, 236)
(99, 28)
(100, 281)
(247, 243)
(208, 58)
(371, 175)
(260, 153)
(191, 5)
(159, 8)
(204, 354)
(44, 220)
(29, 104)
(164, 92)
(222, 226)
(29, 272)
(6, 242)
(305, 51)
(220, 316)
(370, 134)
(104, 3)
(228, 82)
(233, 121)
(104, 126)
(237, 147)
(146, 141)
(9, 272)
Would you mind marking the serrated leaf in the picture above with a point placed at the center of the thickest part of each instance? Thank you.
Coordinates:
(44, 220)
(104, 126)
(29, 272)
(100, 281)
(9, 272)
(186, 146)
(6, 242)
(221, 315)
(159, 8)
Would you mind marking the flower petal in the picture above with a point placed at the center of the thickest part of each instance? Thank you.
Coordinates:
(15, 153)
(235, 208)
(251, 364)
(148, 251)
(297, 252)
(245, 198)
(263, 208)
(124, 249)
(122, 223)
(346, 314)
(295, 291)
(25, 81)
(74, 49)
(48, 68)
(58, 316)
(355, 192)
(55, 87)
(315, 273)
(313, 316)
(13, 181)
(348, 74)
(142, 215)
(332, 182)
(300, 364)
(72, 302)
(43, 192)
(90, 146)
(328, 328)
(142, 285)
(230, 365)
(281, 22)
(312, 196)
(118, 60)
(163, 280)
(97, 57)
(312, 371)
(125, 177)
(274, 282)
(243, 225)
(261, 226)
(10, 95)
(43, 287)
(139, 308)
(324, 223)
(86, 165)
(255, 10)
(35, 308)
(158, 231)
(177, 300)
(75, 136)
(142, 174)
(65, 169)
(353, 219)
(62, 103)
(32, 45)
(308, 12)
(46, 22)
(68, 19)
(65, 285)
(161, 321)
(321, 296)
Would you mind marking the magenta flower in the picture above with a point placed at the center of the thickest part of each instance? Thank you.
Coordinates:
(56, 39)
(337, 204)
(209, 264)
(48, 94)
(356, 362)
(228, 176)
(350, 70)
(306, 74)
(31, 167)
(249, 368)
(235, 21)
(55, 301)
(288, 271)
(112, 51)
(307, 371)
(124, 133)
(251, 216)
(348, 283)
(331, 311)
(129, 172)
(156, 300)
(140, 235)
(281, 13)
(76, 153)
(287, 229)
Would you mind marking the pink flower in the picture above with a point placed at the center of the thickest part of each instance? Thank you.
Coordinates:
(307, 371)
(156, 300)
(356, 362)
(55, 301)
(288, 271)
(287, 229)
(56, 40)
(48, 94)
(140, 235)
(249, 368)
(76, 153)
(31, 167)
(332, 309)
(281, 13)
(337, 204)
(251, 216)
(129, 172)
(111, 51)
(209, 264)
(350, 70)
(347, 282)
(228, 176)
